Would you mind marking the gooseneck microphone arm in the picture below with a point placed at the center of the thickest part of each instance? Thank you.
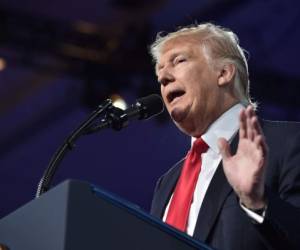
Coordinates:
(68, 145)
(114, 118)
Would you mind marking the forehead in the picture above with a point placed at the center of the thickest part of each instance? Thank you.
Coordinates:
(188, 43)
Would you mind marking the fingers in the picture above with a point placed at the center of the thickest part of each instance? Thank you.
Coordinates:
(243, 122)
(224, 149)
(256, 125)
(251, 129)
(250, 115)
(262, 145)
(249, 125)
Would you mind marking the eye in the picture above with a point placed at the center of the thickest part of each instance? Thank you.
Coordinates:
(179, 59)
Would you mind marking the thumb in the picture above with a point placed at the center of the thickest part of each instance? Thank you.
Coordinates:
(224, 148)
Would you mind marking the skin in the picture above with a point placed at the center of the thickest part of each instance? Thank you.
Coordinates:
(245, 170)
(182, 66)
(195, 94)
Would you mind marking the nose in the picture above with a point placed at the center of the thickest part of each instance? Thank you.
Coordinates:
(165, 77)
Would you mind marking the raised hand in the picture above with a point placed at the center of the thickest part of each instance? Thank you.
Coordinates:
(245, 170)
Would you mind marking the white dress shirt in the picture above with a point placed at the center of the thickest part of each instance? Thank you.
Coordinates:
(225, 126)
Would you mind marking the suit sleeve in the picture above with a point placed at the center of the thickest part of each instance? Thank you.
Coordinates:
(281, 226)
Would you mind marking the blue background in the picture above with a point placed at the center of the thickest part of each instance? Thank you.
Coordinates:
(46, 91)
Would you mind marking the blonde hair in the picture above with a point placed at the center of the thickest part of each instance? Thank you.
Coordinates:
(220, 45)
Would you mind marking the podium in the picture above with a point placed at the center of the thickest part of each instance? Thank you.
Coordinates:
(79, 216)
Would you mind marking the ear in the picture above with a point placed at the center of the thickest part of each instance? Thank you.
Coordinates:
(227, 74)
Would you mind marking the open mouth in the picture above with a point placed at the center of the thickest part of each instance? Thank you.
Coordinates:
(174, 94)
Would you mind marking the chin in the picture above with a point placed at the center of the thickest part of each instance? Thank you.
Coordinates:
(180, 113)
(189, 128)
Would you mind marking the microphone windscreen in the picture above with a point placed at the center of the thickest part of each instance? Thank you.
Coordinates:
(150, 106)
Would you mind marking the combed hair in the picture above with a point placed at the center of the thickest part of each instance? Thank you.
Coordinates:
(220, 46)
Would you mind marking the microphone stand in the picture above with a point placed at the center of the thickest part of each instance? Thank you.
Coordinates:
(69, 144)
(114, 118)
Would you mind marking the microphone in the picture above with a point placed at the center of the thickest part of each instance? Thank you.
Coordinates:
(145, 107)
(116, 118)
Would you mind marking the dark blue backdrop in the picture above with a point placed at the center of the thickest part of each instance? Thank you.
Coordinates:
(39, 110)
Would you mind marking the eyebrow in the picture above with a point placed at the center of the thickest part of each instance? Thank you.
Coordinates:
(171, 58)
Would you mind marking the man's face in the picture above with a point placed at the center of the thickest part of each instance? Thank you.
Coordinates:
(189, 85)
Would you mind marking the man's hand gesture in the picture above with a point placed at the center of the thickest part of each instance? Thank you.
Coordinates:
(245, 170)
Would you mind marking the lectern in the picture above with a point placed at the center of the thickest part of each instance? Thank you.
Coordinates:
(79, 216)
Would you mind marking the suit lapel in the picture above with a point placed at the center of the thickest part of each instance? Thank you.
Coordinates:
(163, 196)
(215, 196)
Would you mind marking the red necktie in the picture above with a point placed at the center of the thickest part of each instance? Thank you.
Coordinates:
(183, 195)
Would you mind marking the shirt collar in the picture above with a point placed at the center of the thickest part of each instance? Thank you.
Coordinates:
(225, 126)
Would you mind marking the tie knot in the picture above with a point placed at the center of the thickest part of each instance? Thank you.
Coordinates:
(199, 146)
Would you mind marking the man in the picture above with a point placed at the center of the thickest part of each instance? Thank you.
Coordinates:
(244, 194)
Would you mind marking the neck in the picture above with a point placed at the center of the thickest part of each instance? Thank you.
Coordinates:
(225, 107)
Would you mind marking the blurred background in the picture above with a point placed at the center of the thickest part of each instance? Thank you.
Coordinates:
(60, 59)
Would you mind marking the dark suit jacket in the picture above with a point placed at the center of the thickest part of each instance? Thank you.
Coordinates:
(222, 223)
